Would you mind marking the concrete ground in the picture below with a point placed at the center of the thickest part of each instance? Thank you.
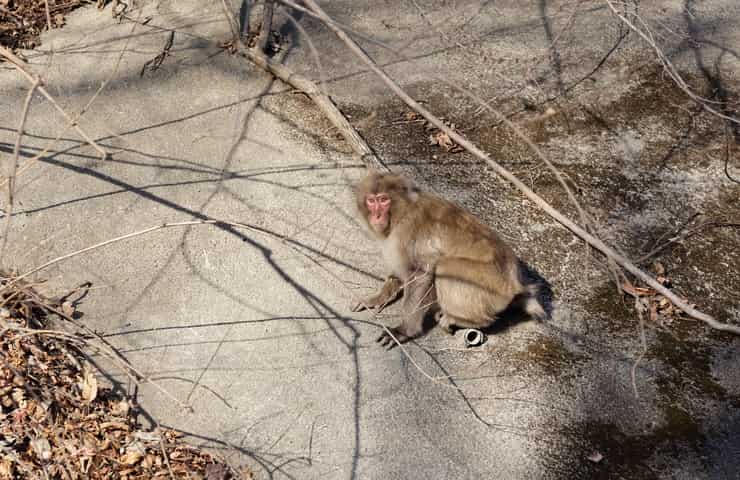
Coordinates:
(250, 325)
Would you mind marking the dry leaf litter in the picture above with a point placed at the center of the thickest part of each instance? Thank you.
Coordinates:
(22, 21)
(57, 421)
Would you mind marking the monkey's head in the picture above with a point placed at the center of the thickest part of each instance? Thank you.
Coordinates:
(383, 198)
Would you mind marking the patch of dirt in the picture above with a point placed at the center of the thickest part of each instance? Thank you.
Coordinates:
(649, 167)
(629, 456)
(546, 355)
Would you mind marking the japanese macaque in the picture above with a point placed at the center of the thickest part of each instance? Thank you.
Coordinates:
(442, 257)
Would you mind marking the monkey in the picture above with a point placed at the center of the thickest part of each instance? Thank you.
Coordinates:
(441, 256)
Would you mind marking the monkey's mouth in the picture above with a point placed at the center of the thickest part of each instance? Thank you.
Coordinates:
(379, 225)
(379, 219)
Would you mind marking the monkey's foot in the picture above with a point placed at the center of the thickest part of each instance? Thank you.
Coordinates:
(448, 329)
(389, 342)
(444, 323)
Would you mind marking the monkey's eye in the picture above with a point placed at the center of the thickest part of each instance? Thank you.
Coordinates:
(370, 199)
(383, 198)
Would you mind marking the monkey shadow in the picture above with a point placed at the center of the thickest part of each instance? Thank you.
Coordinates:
(514, 313)
(530, 276)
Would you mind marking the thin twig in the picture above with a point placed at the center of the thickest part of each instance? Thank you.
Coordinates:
(48, 15)
(639, 306)
(22, 67)
(728, 137)
(154, 63)
(14, 165)
(546, 207)
(683, 235)
(242, 25)
(137, 233)
(416, 365)
(668, 233)
(164, 452)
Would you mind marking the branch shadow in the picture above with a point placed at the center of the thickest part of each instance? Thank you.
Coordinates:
(717, 90)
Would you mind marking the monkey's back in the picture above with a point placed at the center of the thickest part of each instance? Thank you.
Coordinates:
(449, 230)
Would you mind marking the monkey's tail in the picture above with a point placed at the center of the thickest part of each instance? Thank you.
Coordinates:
(531, 304)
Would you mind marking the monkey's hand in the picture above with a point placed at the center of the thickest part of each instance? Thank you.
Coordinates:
(366, 303)
(395, 337)
(387, 294)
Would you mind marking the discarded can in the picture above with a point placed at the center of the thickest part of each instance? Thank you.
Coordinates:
(473, 337)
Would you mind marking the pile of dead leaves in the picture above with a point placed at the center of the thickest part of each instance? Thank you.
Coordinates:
(22, 21)
(56, 421)
(658, 308)
(436, 136)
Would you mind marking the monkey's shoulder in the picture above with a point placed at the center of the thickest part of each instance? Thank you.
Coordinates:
(440, 212)
(456, 230)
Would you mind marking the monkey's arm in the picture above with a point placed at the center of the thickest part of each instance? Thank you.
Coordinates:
(387, 294)
(418, 297)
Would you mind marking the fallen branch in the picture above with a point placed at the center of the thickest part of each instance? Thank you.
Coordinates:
(22, 67)
(48, 15)
(546, 207)
(325, 104)
(307, 86)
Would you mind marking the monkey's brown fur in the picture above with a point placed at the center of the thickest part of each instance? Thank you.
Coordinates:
(439, 253)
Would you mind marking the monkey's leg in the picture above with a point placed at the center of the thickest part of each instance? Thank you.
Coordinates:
(418, 297)
(387, 294)
(446, 322)
(471, 293)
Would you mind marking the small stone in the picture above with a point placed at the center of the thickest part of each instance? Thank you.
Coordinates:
(596, 457)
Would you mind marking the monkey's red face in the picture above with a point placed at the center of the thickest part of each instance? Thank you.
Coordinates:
(379, 205)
